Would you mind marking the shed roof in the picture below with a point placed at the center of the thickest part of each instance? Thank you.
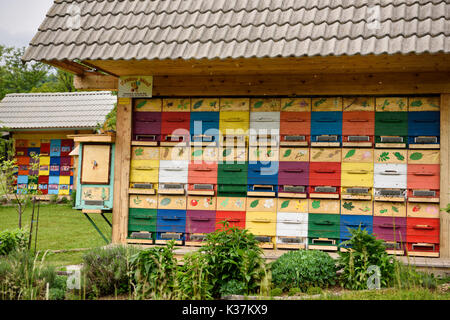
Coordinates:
(199, 29)
(80, 110)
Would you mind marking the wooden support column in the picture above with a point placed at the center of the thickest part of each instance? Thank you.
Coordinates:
(122, 171)
(445, 172)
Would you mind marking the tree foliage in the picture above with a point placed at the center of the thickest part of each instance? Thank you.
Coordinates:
(19, 77)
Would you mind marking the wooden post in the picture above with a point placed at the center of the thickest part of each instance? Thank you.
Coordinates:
(122, 171)
(445, 172)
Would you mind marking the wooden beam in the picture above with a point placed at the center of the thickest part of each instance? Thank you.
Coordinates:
(122, 172)
(67, 65)
(263, 66)
(445, 172)
(92, 81)
(314, 84)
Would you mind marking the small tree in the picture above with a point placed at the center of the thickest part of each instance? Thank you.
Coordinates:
(10, 190)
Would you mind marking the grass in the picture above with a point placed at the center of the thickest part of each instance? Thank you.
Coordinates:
(60, 228)
(388, 294)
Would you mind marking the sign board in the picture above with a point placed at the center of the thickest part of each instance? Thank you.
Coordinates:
(136, 87)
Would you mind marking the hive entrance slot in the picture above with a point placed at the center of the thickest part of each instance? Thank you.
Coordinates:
(391, 139)
(358, 139)
(326, 138)
(425, 140)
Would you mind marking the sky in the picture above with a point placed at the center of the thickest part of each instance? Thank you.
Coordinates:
(20, 19)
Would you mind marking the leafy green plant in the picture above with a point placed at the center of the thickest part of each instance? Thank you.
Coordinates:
(302, 269)
(294, 291)
(155, 272)
(107, 270)
(24, 277)
(233, 254)
(194, 278)
(314, 290)
(365, 251)
(11, 240)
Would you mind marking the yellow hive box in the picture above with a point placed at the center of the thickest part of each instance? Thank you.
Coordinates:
(357, 174)
(234, 122)
(261, 223)
(143, 171)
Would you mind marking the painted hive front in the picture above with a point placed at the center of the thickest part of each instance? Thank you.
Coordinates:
(297, 172)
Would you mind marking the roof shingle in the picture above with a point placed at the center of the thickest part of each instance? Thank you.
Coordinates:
(55, 110)
(196, 29)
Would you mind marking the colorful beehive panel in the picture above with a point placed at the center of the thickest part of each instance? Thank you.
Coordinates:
(297, 172)
(41, 158)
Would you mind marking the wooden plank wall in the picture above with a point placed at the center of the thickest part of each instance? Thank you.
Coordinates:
(445, 173)
(122, 171)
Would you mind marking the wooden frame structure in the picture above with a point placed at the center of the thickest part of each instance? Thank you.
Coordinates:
(312, 76)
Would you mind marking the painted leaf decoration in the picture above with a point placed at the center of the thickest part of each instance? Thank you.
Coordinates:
(227, 152)
(383, 211)
(399, 156)
(349, 154)
(137, 201)
(384, 156)
(285, 204)
(394, 209)
(225, 202)
(254, 204)
(416, 103)
(197, 153)
(288, 104)
(416, 156)
(198, 104)
(319, 102)
(287, 153)
(165, 202)
(141, 104)
(258, 105)
(349, 206)
(139, 152)
(316, 204)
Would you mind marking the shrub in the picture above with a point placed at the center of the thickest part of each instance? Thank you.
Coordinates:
(106, 270)
(194, 278)
(154, 272)
(314, 290)
(407, 277)
(233, 254)
(294, 291)
(13, 240)
(365, 251)
(302, 269)
(276, 292)
(23, 277)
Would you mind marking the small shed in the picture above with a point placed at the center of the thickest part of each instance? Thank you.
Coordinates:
(41, 124)
(344, 83)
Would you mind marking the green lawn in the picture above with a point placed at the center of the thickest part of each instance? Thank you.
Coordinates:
(60, 228)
